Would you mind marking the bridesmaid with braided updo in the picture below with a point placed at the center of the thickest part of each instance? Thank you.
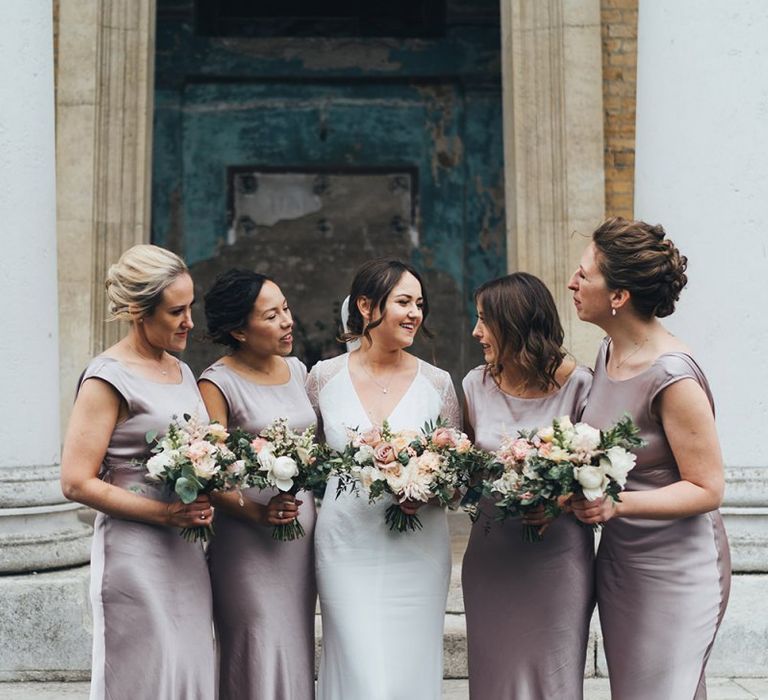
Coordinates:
(663, 566)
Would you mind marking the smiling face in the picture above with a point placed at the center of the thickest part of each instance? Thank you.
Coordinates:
(168, 326)
(483, 334)
(591, 295)
(402, 315)
(269, 325)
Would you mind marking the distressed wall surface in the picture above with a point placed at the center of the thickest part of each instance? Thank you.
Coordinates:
(348, 109)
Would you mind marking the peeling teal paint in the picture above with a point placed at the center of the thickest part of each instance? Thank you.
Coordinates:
(429, 105)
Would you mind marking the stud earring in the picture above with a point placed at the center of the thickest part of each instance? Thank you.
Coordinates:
(613, 312)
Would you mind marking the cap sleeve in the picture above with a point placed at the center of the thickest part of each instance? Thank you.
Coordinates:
(672, 367)
(583, 383)
(217, 375)
(108, 370)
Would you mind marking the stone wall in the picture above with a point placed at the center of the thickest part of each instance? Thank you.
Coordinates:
(619, 34)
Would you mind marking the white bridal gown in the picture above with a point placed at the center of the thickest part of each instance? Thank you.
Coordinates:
(382, 593)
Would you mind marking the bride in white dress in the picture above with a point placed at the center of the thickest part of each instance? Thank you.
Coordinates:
(382, 593)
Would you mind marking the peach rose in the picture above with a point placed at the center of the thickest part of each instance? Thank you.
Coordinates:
(384, 453)
(444, 437)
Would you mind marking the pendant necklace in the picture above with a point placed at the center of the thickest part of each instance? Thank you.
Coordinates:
(618, 364)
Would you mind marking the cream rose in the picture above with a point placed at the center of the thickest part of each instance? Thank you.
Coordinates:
(586, 439)
(218, 432)
(157, 465)
(364, 454)
(304, 455)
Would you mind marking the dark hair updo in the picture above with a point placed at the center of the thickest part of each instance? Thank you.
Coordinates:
(229, 302)
(636, 256)
(375, 280)
(520, 312)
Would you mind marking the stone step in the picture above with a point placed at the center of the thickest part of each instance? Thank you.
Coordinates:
(594, 689)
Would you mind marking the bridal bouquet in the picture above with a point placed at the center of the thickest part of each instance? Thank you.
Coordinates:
(544, 467)
(191, 459)
(283, 459)
(409, 465)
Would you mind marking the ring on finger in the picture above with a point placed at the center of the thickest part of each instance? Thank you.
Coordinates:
(202, 515)
(280, 514)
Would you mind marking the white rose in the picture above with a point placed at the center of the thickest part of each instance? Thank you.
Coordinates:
(592, 481)
(283, 471)
(364, 455)
(266, 458)
(585, 438)
(157, 465)
(617, 463)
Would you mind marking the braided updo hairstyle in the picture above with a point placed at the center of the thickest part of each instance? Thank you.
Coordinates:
(638, 257)
(229, 303)
(136, 282)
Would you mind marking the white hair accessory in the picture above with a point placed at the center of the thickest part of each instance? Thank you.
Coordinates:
(352, 344)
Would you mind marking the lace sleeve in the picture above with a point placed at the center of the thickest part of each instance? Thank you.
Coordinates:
(451, 411)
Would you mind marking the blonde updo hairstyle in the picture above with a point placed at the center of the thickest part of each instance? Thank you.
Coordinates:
(136, 282)
(638, 257)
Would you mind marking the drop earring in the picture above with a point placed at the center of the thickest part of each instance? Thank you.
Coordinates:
(613, 312)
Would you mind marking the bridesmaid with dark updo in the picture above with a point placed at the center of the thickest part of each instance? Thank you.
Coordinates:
(263, 590)
(663, 566)
(528, 605)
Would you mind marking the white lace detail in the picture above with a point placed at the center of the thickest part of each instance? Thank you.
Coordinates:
(450, 410)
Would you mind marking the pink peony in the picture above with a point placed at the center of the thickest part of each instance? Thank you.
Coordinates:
(520, 449)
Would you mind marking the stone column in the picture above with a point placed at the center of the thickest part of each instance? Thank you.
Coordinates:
(553, 143)
(103, 129)
(39, 530)
(702, 135)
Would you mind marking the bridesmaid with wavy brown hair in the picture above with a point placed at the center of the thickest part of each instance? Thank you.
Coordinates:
(528, 605)
(663, 567)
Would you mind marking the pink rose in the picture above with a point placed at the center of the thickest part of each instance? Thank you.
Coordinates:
(444, 437)
(520, 449)
(371, 437)
(258, 443)
(384, 453)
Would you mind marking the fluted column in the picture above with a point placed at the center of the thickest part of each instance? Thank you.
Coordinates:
(104, 138)
(553, 143)
(38, 528)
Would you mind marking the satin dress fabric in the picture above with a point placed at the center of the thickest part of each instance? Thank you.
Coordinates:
(528, 605)
(382, 593)
(662, 585)
(264, 590)
(150, 589)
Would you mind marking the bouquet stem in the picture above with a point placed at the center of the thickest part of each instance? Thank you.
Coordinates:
(402, 522)
(531, 533)
(290, 531)
(197, 534)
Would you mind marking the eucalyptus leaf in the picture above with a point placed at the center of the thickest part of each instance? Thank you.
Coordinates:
(151, 436)
(186, 489)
